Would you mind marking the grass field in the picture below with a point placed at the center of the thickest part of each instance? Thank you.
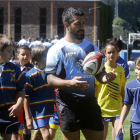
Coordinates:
(109, 137)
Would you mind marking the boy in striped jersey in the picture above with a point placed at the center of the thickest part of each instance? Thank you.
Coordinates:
(24, 54)
(12, 82)
(40, 94)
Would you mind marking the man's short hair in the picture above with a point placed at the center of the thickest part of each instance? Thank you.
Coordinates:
(37, 38)
(132, 58)
(23, 36)
(5, 42)
(24, 47)
(37, 53)
(68, 14)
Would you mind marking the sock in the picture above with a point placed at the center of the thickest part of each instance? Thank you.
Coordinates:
(26, 134)
(120, 133)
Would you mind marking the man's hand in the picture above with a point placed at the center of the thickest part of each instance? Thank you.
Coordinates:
(81, 85)
(110, 76)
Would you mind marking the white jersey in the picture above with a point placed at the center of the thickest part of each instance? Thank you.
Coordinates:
(22, 42)
(131, 65)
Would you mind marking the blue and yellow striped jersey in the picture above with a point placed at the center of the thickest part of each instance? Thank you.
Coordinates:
(11, 81)
(41, 95)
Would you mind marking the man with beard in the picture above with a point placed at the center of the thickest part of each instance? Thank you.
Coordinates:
(76, 104)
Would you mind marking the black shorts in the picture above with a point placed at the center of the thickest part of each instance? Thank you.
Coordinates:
(137, 137)
(8, 125)
(73, 119)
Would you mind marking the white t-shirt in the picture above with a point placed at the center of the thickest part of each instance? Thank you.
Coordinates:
(131, 65)
(22, 42)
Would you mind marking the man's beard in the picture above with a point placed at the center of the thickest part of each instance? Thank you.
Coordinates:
(76, 35)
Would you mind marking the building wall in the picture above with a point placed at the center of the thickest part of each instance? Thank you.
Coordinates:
(30, 17)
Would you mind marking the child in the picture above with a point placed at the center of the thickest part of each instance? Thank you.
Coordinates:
(12, 83)
(23, 54)
(41, 96)
(132, 97)
(110, 96)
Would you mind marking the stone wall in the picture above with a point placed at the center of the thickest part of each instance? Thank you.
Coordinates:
(31, 18)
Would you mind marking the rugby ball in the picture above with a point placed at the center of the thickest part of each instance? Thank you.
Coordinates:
(93, 63)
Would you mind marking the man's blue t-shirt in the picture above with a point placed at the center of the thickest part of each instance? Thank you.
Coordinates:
(124, 64)
(132, 97)
(65, 60)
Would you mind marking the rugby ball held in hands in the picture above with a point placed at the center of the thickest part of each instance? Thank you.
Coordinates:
(94, 63)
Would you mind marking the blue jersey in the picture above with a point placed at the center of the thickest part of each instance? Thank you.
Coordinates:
(41, 95)
(26, 67)
(11, 81)
(66, 60)
(132, 97)
(124, 64)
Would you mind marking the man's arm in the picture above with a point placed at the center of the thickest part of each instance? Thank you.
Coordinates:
(56, 82)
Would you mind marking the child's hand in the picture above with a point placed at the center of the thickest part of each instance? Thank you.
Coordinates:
(29, 123)
(14, 110)
(119, 128)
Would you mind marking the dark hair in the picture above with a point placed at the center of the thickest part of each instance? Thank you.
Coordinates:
(46, 40)
(13, 54)
(23, 36)
(5, 42)
(132, 58)
(117, 42)
(37, 38)
(24, 47)
(112, 44)
(137, 62)
(68, 14)
(37, 53)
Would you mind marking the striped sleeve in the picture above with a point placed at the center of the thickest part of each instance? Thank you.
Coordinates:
(20, 79)
(28, 86)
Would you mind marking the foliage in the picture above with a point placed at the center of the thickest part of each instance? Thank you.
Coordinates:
(105, 28)
(128, 10)
(120, 28)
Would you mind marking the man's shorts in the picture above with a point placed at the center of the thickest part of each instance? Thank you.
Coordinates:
(110, 119)
(20, 126)
(8, 125)
(134, 134)
(53, 122)
(72, 119)
(41, 123)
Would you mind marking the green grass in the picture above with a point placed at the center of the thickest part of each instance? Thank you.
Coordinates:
(109, 136)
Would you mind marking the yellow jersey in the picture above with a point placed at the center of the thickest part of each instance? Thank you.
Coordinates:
(109, 95)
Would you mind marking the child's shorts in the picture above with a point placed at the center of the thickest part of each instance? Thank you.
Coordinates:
(136, 137)
(41, 123)
(110, 119)
(20, 126)
(8, 125)
(135, 134)
(53, 122)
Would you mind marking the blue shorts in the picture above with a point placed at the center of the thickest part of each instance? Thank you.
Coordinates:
(41, 123)
(20, 126)
(110, 119)
(8, 125)
(53, 122)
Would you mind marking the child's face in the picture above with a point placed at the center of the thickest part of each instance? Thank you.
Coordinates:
(137, 71)
(6, 54)
(111, 53)
(24, 56)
